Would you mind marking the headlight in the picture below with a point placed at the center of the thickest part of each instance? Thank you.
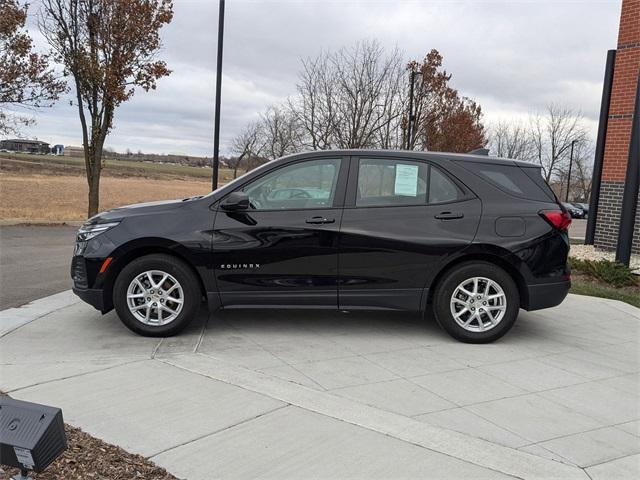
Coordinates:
(87, 232)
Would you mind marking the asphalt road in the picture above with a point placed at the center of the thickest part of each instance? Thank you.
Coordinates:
(34, 262)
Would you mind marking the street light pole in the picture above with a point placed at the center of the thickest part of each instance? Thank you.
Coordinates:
(412, 78)
(216, 120)
(566, 198)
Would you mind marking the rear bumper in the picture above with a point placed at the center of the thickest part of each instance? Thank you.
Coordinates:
(93, 297)
(547, 295)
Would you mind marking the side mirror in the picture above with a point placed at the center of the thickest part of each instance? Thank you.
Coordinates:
(235, 201)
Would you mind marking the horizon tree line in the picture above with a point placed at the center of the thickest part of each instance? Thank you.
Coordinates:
(357, 97)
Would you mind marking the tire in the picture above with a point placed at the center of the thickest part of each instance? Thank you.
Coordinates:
(176, 305)
(501, 301)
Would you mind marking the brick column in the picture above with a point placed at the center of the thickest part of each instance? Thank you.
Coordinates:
(618, 136)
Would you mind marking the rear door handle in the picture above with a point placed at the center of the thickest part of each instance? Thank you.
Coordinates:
(320, 220)
(449, 215)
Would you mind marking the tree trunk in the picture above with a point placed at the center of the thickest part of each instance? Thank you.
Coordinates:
(235, 169)
(93, 180)
(94, 163)
(94, 195)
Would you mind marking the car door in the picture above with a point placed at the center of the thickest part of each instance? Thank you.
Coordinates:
(403, 218)
(283, 249)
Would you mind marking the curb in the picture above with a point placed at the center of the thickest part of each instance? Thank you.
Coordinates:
(12, 319)
(474, 450)
(39, 222)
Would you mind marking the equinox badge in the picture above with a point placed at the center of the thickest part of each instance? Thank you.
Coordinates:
(236, 266)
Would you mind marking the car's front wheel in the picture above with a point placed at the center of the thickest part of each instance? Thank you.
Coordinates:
(156, 295)
(476, 302)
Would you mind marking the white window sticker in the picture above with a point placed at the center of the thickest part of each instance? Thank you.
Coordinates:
(406, 180)
(24, 457)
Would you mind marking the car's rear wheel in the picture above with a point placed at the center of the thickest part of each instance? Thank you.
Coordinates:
(156, 295)
(476, 302)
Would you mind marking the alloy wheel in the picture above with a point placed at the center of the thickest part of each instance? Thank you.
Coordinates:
(155, 298)
(478, 304)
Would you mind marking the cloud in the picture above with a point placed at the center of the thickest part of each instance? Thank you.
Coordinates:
(513, 57)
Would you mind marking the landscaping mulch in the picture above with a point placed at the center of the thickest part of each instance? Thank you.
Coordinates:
(90, 458)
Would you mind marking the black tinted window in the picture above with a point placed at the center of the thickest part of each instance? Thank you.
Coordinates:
(441, 188)
(388, 182)
(512, 179)
(391, 182)
(535, 174)
(309, 184)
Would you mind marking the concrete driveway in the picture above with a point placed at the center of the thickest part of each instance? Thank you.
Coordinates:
(292, 394)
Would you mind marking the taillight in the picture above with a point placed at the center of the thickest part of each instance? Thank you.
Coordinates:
(557, 219)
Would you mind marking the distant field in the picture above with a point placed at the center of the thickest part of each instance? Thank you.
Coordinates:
(74, 165)
(43, 188)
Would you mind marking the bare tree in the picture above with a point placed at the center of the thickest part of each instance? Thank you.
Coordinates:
(511, 140)
(350, 98)
(314, 109)
(551, 136)
(581, 173)
(356, 97)
(26, 79)
(366, 82)
(280, 132)
(247, 144)
(109, 47)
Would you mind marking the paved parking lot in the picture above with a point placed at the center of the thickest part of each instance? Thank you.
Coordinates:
(293, 394)
(578, 228)
(34, 262)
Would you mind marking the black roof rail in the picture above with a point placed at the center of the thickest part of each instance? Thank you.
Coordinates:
(479, 151)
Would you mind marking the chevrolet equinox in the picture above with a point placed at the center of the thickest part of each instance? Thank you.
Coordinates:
(471, 238)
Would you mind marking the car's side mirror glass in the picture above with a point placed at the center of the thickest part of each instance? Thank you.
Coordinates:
(235, 201)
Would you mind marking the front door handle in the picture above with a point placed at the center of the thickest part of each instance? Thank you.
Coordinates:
(449, 215)
(320, 220)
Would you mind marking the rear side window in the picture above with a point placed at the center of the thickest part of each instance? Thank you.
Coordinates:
(535, 174)
(388, 182)
(441, 188)
(520, 182)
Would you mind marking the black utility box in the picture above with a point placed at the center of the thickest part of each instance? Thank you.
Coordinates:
(31, 435)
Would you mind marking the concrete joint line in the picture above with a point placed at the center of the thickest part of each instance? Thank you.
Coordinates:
(82, 374)
(13, 319)
(469, 449)
(210, 434)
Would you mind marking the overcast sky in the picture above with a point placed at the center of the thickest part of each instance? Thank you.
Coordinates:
(513, 57)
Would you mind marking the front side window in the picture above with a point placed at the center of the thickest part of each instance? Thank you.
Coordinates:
(304, 185)
(384, 182)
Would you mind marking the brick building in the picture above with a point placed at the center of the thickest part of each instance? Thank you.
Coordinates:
(618, 131)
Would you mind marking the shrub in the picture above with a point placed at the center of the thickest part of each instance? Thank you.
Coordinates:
(615, 274)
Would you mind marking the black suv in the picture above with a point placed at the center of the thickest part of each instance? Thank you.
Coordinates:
(473, 237)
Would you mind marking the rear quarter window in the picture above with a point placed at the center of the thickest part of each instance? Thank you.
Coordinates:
(523, 182)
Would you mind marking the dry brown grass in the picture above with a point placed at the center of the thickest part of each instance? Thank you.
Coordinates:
(26, 197)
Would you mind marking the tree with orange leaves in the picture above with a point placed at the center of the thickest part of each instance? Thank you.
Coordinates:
(109, 48)
(26, 79)
(443, 120)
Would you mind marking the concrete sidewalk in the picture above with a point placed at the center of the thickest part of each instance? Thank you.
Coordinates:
(327, 395)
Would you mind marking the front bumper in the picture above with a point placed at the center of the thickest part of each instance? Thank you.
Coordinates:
(93, 297)
(547, 295)
(83, 274)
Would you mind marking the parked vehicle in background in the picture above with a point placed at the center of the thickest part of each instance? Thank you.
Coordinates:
(575, 212)
(469, 237)
(583, 206)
